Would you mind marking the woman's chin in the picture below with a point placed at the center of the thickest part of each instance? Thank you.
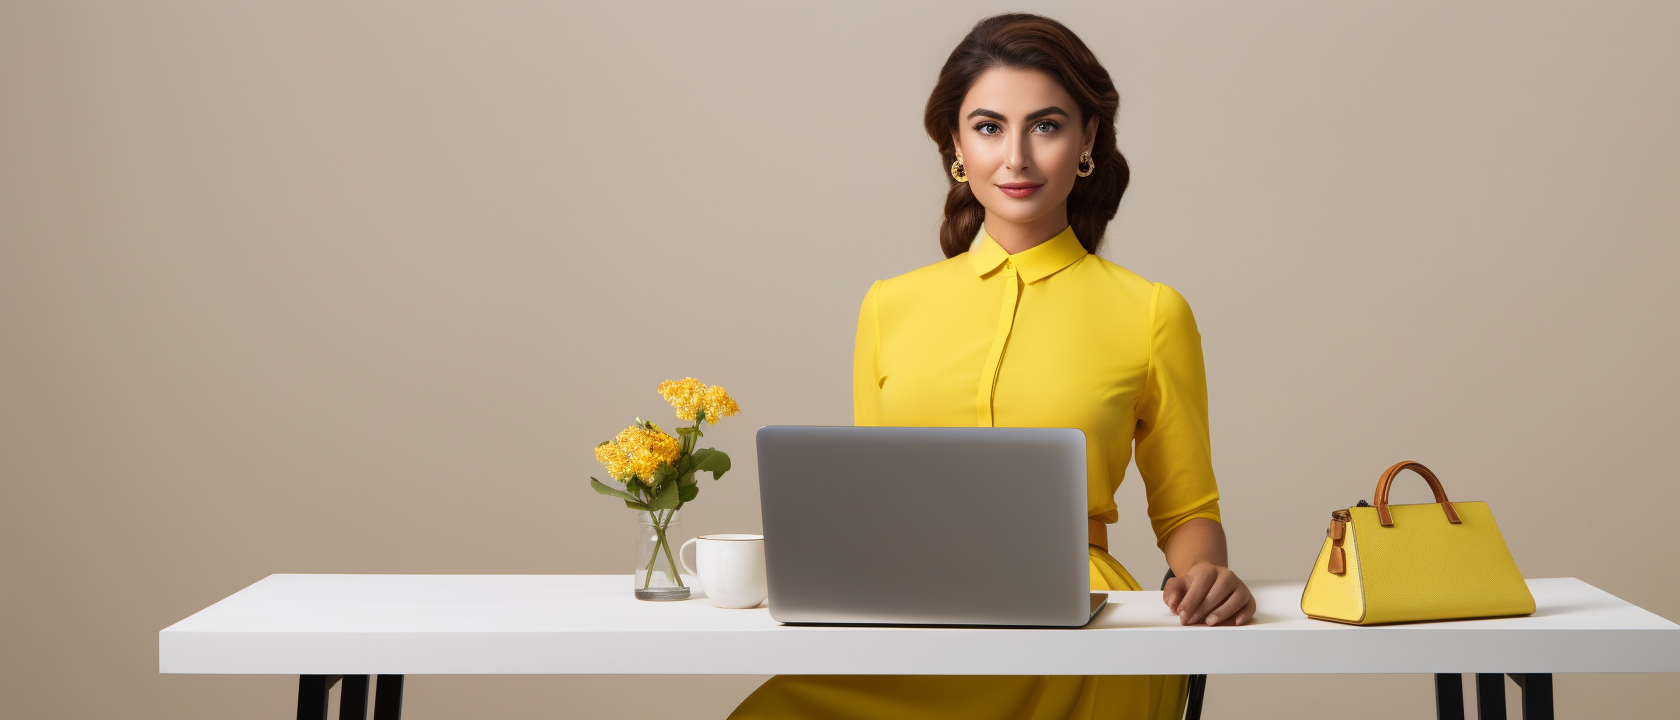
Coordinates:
(1022, 211)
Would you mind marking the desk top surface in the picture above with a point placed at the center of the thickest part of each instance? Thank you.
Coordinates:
(591, 624)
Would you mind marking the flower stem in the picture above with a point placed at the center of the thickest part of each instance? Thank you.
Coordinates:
(675, 573)
(662, 543)
(648, 581)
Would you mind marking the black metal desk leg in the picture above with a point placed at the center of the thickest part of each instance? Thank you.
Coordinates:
(1536, 695)
(1449, 696)
(387, 701)
(1193, 697)
(312, 696)
(353, 698)
(1490, 696)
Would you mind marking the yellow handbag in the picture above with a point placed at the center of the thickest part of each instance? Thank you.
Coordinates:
(1406, 563)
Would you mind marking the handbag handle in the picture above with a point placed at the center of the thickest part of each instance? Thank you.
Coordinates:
(1385, 517)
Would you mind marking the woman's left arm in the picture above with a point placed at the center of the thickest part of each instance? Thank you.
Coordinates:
(1175, 459)
(1203, 589)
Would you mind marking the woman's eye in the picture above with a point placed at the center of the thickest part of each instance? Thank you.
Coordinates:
(983, 128)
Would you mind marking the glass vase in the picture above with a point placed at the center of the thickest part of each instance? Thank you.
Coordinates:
(656, 575)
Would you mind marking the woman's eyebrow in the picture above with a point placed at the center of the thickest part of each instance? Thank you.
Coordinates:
(993, 114)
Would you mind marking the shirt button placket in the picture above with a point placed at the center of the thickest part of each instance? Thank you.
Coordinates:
(1006, 323)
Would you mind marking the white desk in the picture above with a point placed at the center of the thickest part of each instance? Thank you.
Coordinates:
(320, 626)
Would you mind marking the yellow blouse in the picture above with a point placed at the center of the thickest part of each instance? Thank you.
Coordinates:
(1048, 337)
(1052, 336)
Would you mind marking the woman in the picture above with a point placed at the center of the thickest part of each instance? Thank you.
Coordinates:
(1023, 325)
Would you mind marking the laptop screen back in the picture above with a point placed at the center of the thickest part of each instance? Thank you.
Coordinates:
(925, 525)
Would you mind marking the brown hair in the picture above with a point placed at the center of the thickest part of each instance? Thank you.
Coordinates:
(1023, 41)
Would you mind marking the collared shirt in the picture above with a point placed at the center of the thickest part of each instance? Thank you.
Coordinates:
(1051, 336)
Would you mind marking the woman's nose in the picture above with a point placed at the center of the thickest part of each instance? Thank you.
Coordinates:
(1020, 152)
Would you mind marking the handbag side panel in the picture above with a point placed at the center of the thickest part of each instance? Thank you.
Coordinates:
(1426, 568)
(1335, 597)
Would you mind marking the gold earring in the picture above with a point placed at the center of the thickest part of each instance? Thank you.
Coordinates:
(1086, 165)
(958, 172)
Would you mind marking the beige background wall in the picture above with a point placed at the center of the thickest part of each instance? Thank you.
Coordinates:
(352, 287)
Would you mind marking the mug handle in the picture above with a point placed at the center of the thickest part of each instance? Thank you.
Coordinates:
(684, 563)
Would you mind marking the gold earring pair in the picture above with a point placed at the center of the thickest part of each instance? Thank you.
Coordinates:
(1086, 167)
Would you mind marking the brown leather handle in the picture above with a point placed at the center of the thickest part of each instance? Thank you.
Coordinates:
(1387, 479)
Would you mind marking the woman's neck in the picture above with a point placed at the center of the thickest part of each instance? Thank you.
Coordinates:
(1016, 237)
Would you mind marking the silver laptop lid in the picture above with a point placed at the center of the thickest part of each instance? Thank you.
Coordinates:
(925, 525)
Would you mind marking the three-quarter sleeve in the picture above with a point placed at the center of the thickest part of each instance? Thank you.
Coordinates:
(866, 384)
(1174, 454)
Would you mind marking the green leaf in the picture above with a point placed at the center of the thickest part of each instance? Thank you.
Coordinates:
(712, 461)
(687, 479)
(669, 499)
(633, 505)
(605, 489)
(664, 474)
(688, 492)
(687, 431)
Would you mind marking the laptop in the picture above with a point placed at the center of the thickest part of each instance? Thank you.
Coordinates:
(925, 526)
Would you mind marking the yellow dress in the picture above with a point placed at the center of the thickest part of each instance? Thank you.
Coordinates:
(1049, 337)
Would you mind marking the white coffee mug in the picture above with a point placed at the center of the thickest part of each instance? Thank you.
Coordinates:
(731, 568)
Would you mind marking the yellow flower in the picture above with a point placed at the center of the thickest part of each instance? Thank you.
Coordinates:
(719, 404)
(610, 456)
(688, 396)
(637, 453)
(684, 395)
